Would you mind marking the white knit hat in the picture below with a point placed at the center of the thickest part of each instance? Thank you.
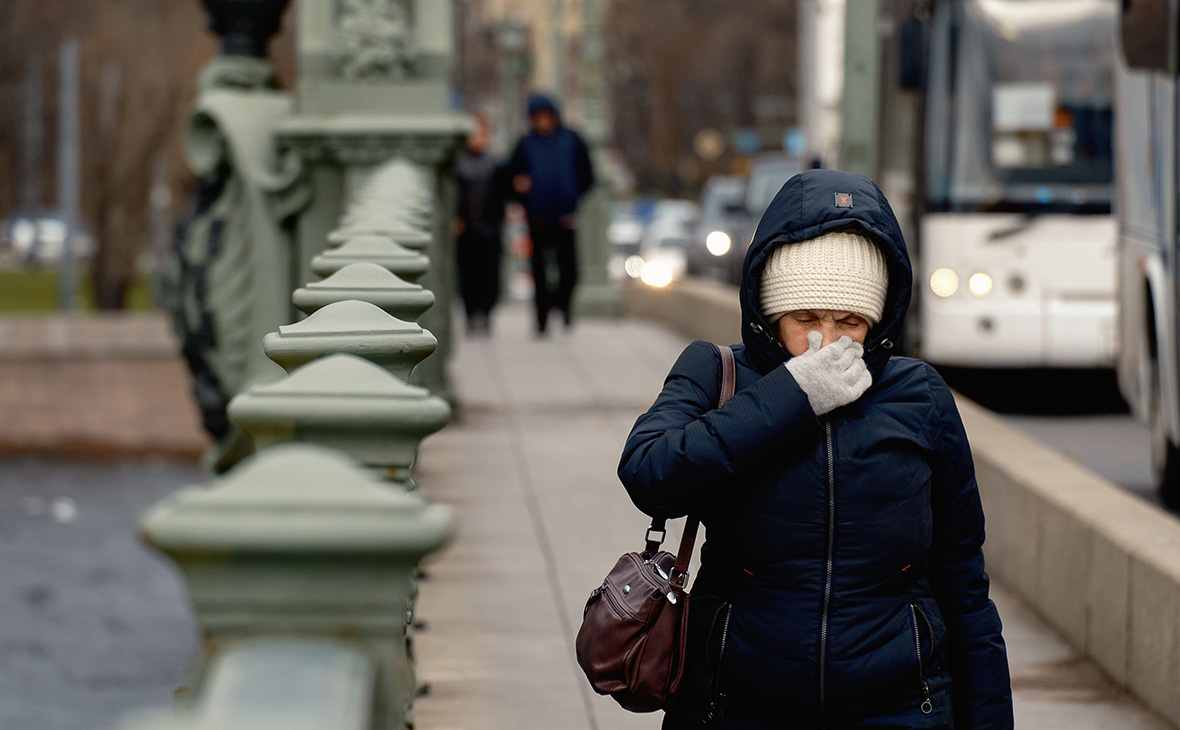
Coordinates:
(840, 270)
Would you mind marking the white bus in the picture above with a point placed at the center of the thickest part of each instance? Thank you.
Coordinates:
(1016, 239)
(1146, 149)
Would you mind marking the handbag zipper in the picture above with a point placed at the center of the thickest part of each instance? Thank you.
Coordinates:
(823, 626)
(717, 705)
(614, 603)
(927, 706)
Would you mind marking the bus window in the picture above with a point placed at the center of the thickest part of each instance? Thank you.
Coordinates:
(1031, 100)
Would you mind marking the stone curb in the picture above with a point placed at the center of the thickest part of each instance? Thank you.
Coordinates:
(98, 450)
(1100, 565)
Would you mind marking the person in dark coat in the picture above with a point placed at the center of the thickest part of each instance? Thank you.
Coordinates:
(481, 193)
(842, 584)
(550, 171)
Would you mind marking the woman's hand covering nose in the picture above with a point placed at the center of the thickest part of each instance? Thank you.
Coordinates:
(831, 376)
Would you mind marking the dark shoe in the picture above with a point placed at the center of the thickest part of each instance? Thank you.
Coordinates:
(478, 325)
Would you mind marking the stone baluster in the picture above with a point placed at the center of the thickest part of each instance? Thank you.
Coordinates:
(301, 570)
(368, 283)
(355, 328)
(381, 250)
(348, 403)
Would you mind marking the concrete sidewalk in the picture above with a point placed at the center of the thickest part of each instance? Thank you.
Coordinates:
(531, 470)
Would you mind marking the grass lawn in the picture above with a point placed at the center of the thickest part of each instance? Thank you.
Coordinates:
(28, 290)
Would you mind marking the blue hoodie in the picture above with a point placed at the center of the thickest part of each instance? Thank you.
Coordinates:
(558, 164)
(842, 583)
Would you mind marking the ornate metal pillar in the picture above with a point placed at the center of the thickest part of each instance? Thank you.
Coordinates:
(375, 78)
(235, 261)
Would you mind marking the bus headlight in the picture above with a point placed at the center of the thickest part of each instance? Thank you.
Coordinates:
(633, 266)
(718, 243)
(656, 273)
(944, 282)
(980, 284)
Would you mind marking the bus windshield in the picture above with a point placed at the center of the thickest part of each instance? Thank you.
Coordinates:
(1020, 106)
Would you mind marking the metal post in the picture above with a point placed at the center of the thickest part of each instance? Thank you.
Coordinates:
(513, 67)
(159, 201)
(68, 169)
(596, 295)
(858, 152)
(556, 14)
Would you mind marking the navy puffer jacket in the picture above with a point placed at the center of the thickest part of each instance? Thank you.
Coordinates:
(842, 583)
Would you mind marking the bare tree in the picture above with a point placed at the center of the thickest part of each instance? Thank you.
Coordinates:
(677, 67)
(140, 64)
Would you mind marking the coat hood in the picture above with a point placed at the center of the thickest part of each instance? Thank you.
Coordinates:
(808, 205)
(542, 103)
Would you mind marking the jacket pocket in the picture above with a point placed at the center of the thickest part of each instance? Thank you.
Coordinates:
(715, 647)
(923, 650)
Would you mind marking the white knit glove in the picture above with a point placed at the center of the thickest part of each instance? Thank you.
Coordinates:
(831, 376)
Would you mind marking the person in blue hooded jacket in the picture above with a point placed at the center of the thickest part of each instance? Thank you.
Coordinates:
(550, 171)
(842, 583)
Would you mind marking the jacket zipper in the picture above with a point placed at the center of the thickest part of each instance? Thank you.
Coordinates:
(927, 706)
(823, 627)
(717, 704)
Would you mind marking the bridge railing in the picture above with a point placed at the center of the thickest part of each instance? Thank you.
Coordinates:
(301, 562)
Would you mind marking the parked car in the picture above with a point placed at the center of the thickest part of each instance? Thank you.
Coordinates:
(41, 238)
(722, 206)
(625, 233)
(666, 233)
(767, 175)
(674, 209)
(664, 250)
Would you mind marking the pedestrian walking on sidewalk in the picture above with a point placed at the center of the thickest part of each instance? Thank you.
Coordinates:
(842, 582)
(550, 171)
(482, 188)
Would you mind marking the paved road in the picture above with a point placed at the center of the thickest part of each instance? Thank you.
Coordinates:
(1079, 414)
(92, 625)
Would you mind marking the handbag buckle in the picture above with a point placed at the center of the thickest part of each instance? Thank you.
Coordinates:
(677, 578)
(650, 536)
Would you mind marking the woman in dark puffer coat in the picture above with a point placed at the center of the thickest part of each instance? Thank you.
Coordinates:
(842, 584)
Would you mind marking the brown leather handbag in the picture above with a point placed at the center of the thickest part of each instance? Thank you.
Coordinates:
(632, 640)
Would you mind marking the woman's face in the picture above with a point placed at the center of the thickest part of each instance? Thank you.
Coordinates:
(832, 324)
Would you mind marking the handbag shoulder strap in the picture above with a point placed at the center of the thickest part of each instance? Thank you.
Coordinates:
(679, 574)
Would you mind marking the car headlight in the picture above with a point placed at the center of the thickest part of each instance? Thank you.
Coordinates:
(980, 284)
(718, 243)
(944, 282)
(656, 273)
(633, 266)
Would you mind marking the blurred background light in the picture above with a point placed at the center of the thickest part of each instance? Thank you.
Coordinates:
(944, 282)
(656, 273)
(718, 243)
(980, 284)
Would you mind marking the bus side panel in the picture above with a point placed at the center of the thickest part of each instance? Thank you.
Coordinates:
(1049, 297)
(1143, 155)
